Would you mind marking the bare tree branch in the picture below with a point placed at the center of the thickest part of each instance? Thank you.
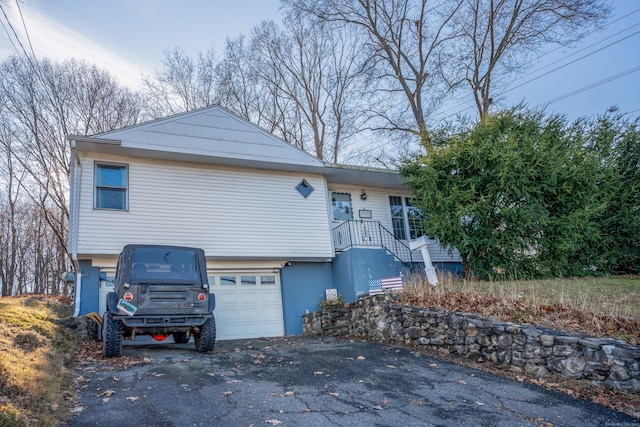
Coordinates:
(42, 102)
(182, 84)
(498, 36)
(404, 39)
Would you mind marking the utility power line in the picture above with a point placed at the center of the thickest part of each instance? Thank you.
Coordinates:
(469, 105)
(455, 107)
(603, 27)
(571, 62)
(13, 30)
(591, 86)
(584, 88)
(24, 25)
(576, 52)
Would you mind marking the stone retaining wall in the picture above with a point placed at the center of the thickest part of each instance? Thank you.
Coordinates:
(527, 349)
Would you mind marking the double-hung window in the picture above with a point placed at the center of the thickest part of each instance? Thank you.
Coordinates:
(111, 184)
(398, 220)
(406, 219)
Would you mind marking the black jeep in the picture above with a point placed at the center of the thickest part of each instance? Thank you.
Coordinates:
(159, 291)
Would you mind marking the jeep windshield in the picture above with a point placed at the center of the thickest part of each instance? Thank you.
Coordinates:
(163, 265)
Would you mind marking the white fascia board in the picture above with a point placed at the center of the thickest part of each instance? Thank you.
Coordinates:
(363, 176)
(194, 157)
(93, 140)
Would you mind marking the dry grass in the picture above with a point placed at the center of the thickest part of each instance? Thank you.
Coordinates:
(603, 307)
(36, 381)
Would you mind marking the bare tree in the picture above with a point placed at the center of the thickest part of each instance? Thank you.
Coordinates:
(295, 66)
(405, 41)
(498, 36)
(42, 102)
(343, 85)
(289, 67)
(241, 89)
(8, 211)
(298, 80)
(182, 84)
(25, 237)
(97, 103)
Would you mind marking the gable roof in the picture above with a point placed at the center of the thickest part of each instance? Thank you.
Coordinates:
(215, 135)
(208, 135)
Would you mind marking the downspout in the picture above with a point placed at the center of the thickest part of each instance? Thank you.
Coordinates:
(76, 303)
(76, 169)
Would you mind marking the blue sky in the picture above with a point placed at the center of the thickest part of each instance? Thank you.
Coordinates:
(128, 37)
(623, 55)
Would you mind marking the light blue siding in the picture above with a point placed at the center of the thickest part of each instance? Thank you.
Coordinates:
(303, 287)
(90, 287)
(353, 269)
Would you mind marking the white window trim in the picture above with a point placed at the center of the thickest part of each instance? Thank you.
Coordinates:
(95, 185)
(405, 214)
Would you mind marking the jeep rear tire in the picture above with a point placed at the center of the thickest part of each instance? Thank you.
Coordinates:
(180, 337)
(206, 338)
(111, 336)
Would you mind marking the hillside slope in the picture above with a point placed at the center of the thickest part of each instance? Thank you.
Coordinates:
(36, 359)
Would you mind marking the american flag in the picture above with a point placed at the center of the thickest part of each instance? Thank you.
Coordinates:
(391, 284)
(375, 287)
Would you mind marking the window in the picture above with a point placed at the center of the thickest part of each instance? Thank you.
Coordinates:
(176, 265)
(406, 219)
(268, 280)
(111, 186)
(247, 280)
(397, 217)
(415, 219)
(228, 280)
(341, 204)
(304, 188)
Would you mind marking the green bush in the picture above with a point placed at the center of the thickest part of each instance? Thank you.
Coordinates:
(332, 304)
(521, 195)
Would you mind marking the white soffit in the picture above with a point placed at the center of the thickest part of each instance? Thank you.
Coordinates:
(364, 177)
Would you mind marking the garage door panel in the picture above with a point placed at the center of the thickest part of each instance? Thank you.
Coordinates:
(227, 299)
(244, 313)
(227, 314)
(248, 329)
(270, 296)
(249, 297)
(248, 314)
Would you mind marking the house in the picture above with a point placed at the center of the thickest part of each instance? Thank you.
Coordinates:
(278, 226)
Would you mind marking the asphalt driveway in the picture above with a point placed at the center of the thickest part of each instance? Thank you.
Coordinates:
(314, 381)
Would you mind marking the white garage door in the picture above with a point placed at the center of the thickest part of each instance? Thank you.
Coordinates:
(248, 305)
